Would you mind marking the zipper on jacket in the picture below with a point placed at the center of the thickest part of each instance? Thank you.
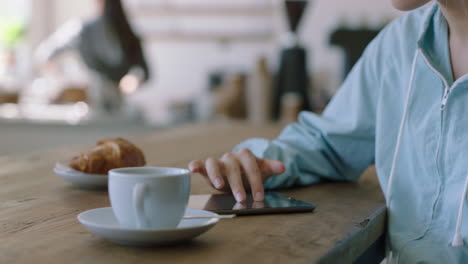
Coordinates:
(445, 98)
(438, 158)
(449, 89)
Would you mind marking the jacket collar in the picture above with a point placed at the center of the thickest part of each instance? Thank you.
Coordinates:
(433, 42)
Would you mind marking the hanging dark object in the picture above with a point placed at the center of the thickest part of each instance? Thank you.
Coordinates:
(353, 41)
(292, 76)
(295, 10)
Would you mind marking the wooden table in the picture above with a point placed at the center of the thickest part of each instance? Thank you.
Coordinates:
(38, 211)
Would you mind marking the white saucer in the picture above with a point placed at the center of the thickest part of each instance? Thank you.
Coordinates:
(81, 179)
(102, 222)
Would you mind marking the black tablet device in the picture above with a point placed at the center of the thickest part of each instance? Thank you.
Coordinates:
(226, 204)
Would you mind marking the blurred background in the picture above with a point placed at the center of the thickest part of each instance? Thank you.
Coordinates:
(75, 71)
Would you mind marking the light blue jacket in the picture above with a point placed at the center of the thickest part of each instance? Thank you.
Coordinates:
(405, 69)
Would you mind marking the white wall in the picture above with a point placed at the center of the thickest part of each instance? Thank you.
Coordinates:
(180, 69)
(17, 8)
(65, 10)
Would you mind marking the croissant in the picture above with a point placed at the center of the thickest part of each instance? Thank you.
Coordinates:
(108, 154)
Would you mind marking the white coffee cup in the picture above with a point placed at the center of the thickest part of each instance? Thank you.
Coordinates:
(149, 197)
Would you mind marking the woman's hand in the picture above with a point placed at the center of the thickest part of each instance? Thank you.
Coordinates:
(129, 84)
(238, 172)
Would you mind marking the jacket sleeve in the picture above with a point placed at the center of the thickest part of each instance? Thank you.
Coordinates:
(64, 39)
(339, 144)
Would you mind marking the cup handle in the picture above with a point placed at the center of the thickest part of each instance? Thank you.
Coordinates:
(138, 204)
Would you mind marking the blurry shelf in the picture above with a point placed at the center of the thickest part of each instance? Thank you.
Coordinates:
(149, 10)
(220, 21)
(41, 113)
(197, 37)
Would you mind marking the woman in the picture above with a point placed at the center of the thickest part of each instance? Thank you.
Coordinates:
(110, 49)
(402, 108)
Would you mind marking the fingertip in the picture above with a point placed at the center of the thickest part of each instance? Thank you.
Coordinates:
(193, 167)
(240, 197)
(218, 183)
(282, 168)
(258, 196)
(277, 167)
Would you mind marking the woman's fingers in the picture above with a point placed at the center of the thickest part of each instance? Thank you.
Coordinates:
(270, 167)
(252, 173)
(209, 170)
(213, 170)
(233, 173)
(238, 171)
(197, 166)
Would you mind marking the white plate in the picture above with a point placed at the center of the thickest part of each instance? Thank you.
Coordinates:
(81, 179)
(102, 222)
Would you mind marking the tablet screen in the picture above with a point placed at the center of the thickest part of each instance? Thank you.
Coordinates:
(226, 204)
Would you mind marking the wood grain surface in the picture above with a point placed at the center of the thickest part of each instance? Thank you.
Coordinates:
(38, 210)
